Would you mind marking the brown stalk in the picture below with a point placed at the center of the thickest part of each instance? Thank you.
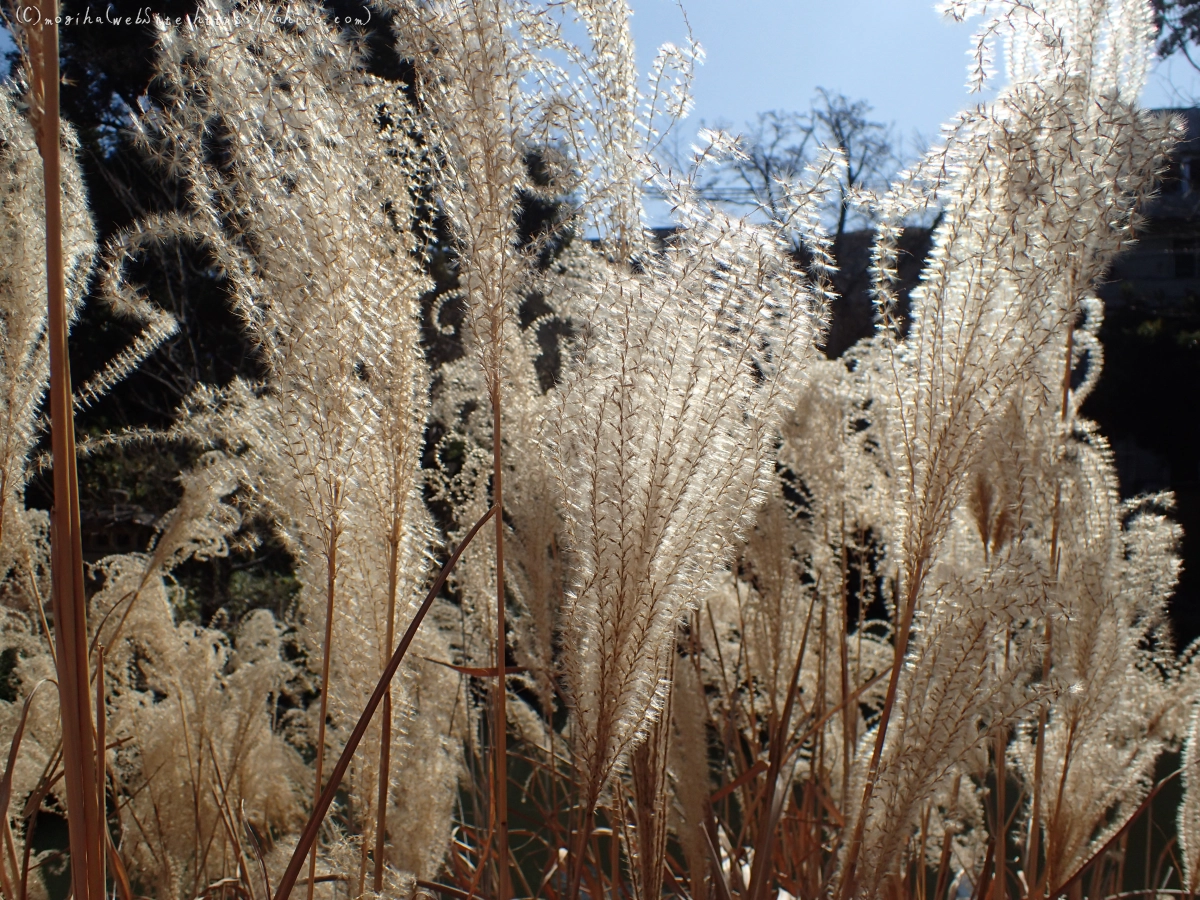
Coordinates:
(385, 727)
(243, 876)
(798, 740)
(6, 783)
(594, 878)
(1074, 881)
(101, 765)
(475, 671)
(848, 719)
(484, 858)
(36, 593)
(919, 873)
(364, 849)
(648, 768)
(500, 698)
(753, 772)
(447, 890)
(195, 770)
(983, 888)
(308, 836)
(674, 888)
(330, 584)
(943, 877)
(50, 776)
(722, 885)
(14, 749)
(583, 834)
(120, 876)
(11, 849)
(614, 860)
(1168, 852)
(1035, 827)
(947, 843)
(1036, 879)
(512, 861)
(68, 600)
(30, 828)
(252, 838)
(776, 791)
(885, 715)
(221, 797)
(1001, 746)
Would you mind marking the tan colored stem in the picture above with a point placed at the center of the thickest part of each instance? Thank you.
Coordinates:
(848, 714)
(101, 765)
(776, 791)
(330, 584)
(901, 649)
(68, 600)
(648, 771)
(500, 710)
(385, 727)
(1001, 747)
(1038, 884)
(1039, 764)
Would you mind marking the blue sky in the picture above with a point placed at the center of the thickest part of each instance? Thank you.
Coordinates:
(901, 56)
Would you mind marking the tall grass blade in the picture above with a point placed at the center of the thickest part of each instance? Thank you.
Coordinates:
(69, 602)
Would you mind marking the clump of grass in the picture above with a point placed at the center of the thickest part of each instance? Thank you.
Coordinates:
(723, 618)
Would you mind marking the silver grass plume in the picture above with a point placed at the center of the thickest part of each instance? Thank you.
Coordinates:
(662, 438)
(194, 713)
(797, 567)
(1189, 809)
(309, 220)
(791, 593)
(535, 564)
(24, 366)
(1038, 190)
(491, 95)
(470, 61)
(1114, 712)
(134, 585)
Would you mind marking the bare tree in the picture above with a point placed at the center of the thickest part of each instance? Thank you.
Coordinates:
(777, 146)
(869, 148)
(1178, 24)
